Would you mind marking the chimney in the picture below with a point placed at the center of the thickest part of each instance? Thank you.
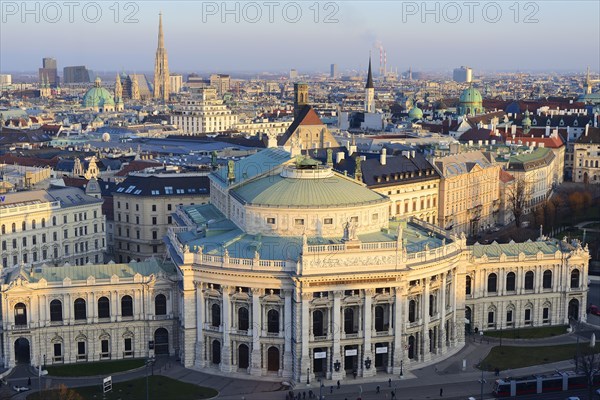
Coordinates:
(413, 153)
(383, 156)
(513, 129)
(339, 156)
(547, 130)
(493, 142)
(587, 128)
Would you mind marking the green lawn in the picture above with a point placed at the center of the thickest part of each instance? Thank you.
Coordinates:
(95, 368)
(529, 333)
(509, 357)
(160, 387)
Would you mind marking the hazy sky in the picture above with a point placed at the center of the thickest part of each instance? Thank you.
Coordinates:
(278, 35)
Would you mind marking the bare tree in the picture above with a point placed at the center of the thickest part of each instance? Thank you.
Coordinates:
(588, 362)
(518, 196)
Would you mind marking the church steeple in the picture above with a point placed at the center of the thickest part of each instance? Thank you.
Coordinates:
(369, 77)
(369, 91)
(161, 66)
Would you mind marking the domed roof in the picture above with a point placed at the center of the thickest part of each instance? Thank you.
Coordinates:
(97, 96)
(470, 95)
(302, 187)
(415, 113)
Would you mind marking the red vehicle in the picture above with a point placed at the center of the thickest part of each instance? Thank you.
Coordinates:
(594, 310)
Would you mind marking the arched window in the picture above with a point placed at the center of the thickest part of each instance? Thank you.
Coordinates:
(547, 279)
(43, 222)
(379, 319)
(216, 315)
(3, 229)
(348, 320)
(216, 352)
(574, 279)
(529, 280)
(20, 314)
(318, 323)
(273, 321)
(24, 226)
(56, 310)
(103, 307)
(80, 309)
(33, 224)
(492, 283)
(160, 304)
(510, 281)
(468, 285)
(243, 319)
(14, 227)
(412, 311)
(126, 306)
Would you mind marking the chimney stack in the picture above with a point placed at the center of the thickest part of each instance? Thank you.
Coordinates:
(383, 156)
(587, 128)
(339, 156)
(513, 129)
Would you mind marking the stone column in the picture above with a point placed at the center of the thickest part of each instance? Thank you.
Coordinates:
(425, 320)
(367, 330)
(200, 312)
(226, 324)
(398, 331)
(442, 332)
(256, 356)
(287, 331)
(305, 356)
(336, 330)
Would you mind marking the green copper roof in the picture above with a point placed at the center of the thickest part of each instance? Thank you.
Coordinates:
(470, 95)
(252, 166)
(98, 271)
(97, 96)
(334, 191)
(513, 249)
(415, 113)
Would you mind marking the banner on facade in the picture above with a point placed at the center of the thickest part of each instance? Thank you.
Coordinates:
(352, 352)
(320, 354)
(380, 350)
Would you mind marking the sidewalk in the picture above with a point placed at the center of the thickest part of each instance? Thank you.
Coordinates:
(417, 383)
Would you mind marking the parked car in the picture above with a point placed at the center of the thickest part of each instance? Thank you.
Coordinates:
(573, 398)
(20, 389)
(593, 310)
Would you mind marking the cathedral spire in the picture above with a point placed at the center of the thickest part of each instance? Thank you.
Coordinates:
(161, 39)
(369, 76)
(161, 66)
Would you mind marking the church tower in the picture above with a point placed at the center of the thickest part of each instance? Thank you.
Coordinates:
(161, 67)
(300, 97)
(369, 92)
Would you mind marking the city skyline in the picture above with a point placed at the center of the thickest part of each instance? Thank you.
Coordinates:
(198, 40)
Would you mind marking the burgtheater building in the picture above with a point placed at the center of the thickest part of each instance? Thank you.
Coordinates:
(296, 271)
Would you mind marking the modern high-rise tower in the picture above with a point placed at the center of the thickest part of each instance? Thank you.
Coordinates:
(369, 92)
(161, 67)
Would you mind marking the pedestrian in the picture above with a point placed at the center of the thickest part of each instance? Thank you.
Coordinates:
(354, 373)
(304, 395)
(377, 389)
(310, 394)
(390, 382)
(441, 392)
(393, 394)
(29, 381)
(331, 389)
(338, 384)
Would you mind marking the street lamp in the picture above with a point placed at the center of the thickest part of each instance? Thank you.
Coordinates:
(401, 371)
(482, 381)
(368, 363)
(308, 376)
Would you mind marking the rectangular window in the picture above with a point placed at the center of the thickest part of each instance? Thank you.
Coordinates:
(527, 316)
(154, 219)
(24, 241)
(154, 207)
(104, 349)
(328, 221)
(80, 350)
(57, 351)
(299, 221)
(154, 235)
(128, 346)
(546, 314)
(169, 207)
(490, 318)
(271, 221)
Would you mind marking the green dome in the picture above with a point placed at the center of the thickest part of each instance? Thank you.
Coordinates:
(470, 95)
(97, 96)
(415, 113)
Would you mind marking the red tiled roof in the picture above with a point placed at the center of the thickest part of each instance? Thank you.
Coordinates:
(311, 118)
(26, 161)
(505, 176)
